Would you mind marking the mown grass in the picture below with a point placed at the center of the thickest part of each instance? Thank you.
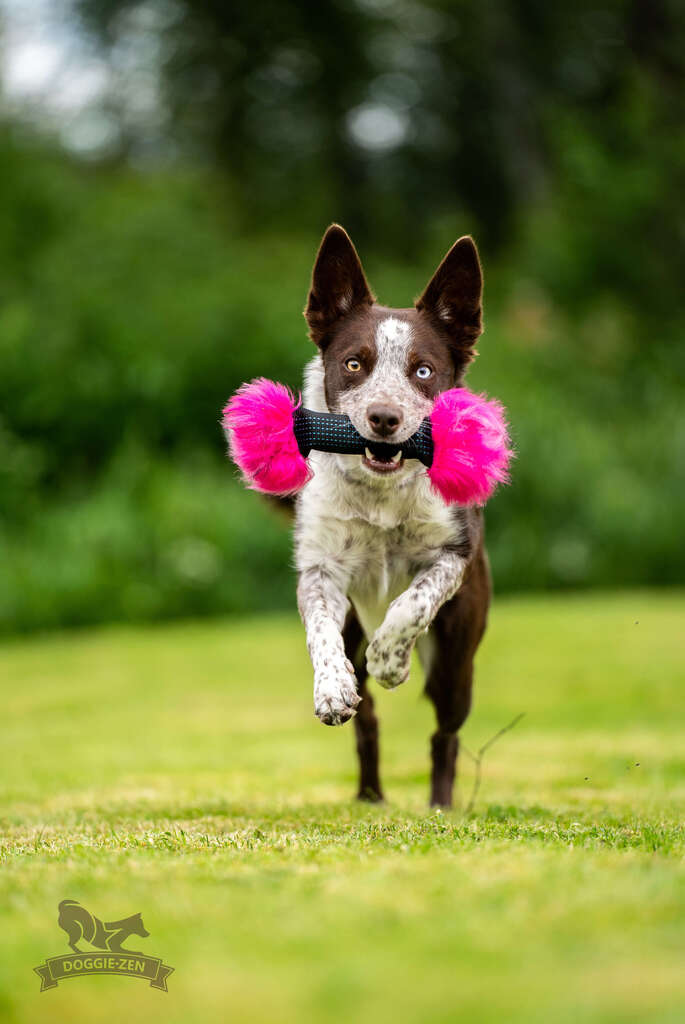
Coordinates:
(178, 771)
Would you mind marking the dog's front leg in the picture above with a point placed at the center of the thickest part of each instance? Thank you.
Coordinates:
(389, 653)
(323, 606)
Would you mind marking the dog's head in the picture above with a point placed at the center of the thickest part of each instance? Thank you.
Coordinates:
(384, 367)
(137, 927)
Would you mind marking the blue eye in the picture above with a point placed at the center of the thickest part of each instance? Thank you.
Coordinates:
(424, 372)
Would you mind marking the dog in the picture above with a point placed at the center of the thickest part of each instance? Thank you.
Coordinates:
(383, 563)
(81, 925)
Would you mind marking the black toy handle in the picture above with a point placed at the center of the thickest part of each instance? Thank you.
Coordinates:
(332, 432)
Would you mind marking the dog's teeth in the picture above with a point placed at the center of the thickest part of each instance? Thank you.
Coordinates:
(396, 458)
(368, 454)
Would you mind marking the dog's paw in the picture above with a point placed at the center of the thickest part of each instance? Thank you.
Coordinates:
(388, 656)
(335, 693)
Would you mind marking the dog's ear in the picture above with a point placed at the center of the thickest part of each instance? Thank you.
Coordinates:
(338, 284)
(453, 297)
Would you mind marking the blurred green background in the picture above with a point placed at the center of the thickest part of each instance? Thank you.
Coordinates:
(167, 170)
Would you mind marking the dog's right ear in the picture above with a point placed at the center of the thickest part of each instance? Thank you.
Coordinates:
(338, 284)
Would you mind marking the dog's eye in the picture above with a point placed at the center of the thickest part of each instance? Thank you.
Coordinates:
(353, 365)
(424, 371)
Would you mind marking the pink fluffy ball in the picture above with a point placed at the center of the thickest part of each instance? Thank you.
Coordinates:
(258, 422)
(471, 447)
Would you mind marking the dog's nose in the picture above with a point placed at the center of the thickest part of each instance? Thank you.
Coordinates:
(384, 419)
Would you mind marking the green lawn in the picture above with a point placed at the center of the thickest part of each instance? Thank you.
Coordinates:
(179, 771)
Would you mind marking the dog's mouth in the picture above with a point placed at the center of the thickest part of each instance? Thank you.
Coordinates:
(382, 463)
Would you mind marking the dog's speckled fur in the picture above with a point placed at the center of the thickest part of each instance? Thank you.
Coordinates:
(382, 562)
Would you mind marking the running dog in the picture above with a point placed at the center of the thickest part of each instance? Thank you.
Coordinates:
(383, 563)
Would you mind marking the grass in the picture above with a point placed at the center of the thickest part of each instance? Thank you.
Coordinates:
(178, 771)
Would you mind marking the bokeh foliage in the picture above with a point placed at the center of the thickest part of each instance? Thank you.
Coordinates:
(136, 298)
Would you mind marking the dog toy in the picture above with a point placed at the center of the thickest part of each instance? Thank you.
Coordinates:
(464, 443)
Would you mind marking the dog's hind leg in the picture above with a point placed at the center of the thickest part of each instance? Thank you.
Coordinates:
(448, 663)
(365, 722)
(77, 922)
(452, 701)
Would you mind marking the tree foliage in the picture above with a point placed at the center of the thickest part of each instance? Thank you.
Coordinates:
(135, 300)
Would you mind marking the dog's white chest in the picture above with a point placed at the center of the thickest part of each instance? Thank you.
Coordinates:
(385, 562)
(371, 607)
(383, 573)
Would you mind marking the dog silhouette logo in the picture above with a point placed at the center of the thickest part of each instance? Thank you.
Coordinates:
(108, 936)
(81, 925)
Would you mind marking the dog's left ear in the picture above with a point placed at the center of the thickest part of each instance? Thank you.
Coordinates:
(338, 284)
(453, 296)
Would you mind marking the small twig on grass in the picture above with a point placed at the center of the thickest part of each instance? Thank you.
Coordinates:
(478, 758)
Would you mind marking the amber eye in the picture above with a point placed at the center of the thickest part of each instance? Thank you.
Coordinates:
(353, 365)
(424, 371)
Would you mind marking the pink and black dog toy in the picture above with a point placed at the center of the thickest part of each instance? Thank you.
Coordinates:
(464, 443)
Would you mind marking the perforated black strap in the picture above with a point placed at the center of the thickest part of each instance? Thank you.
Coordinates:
(331, 432)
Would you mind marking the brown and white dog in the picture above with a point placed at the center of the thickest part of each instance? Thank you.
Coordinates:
(383, 564)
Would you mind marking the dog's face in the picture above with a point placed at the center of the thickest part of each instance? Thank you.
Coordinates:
(383, 367)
